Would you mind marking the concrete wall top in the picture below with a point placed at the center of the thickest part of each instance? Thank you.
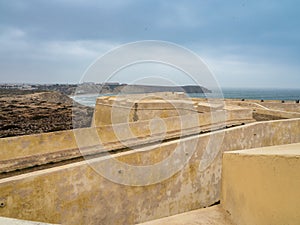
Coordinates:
(290, 150)
(261, 186)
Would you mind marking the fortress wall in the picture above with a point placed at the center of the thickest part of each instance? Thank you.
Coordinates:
(272, 105)
(137, 107)
(261, 185)
(239, 114)
(110, 111)
(288, 106)
(277, 113)
(27, 145)
(77, 194)
(272, 108)
(56, 146)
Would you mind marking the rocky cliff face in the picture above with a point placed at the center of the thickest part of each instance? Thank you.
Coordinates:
(151, 89)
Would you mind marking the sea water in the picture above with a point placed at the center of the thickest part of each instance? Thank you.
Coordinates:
(233, 93)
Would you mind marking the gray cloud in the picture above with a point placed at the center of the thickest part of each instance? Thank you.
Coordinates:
(54, 41)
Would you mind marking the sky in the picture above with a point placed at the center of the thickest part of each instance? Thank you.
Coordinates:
(244, 43)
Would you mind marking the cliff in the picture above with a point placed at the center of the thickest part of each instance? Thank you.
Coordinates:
(115, 88)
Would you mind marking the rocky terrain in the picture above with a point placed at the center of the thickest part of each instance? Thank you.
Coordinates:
(29, 113)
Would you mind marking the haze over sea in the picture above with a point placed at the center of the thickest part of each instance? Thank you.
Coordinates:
(235, 93)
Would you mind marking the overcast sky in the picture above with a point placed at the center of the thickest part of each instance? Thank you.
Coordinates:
(245, 43)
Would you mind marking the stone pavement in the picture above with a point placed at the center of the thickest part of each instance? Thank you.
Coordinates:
(214, 215)
(9, 221)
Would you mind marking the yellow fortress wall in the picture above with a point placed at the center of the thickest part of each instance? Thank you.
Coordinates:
(43, 148)
(76, 194)
(262, 186)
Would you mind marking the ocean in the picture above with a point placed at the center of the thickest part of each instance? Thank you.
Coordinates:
(233, 93)
(265, 94)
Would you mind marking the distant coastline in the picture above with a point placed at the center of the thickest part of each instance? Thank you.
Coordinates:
(95, 88)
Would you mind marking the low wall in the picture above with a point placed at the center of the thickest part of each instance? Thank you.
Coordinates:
(277, 109)
(287, 106)
(278, 113)
(77, 194)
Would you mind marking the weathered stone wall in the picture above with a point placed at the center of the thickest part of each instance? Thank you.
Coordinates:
(25, 151)
(77, 194)
(287, 106)
(132, 108)
(278, 113)
(272, 108)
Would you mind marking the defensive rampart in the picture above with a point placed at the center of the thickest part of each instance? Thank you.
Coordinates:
(77, 194)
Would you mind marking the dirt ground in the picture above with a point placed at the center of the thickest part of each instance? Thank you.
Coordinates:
(40, 112)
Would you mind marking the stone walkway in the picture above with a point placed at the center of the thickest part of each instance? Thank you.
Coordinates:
(209, 216)
(9, 221)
